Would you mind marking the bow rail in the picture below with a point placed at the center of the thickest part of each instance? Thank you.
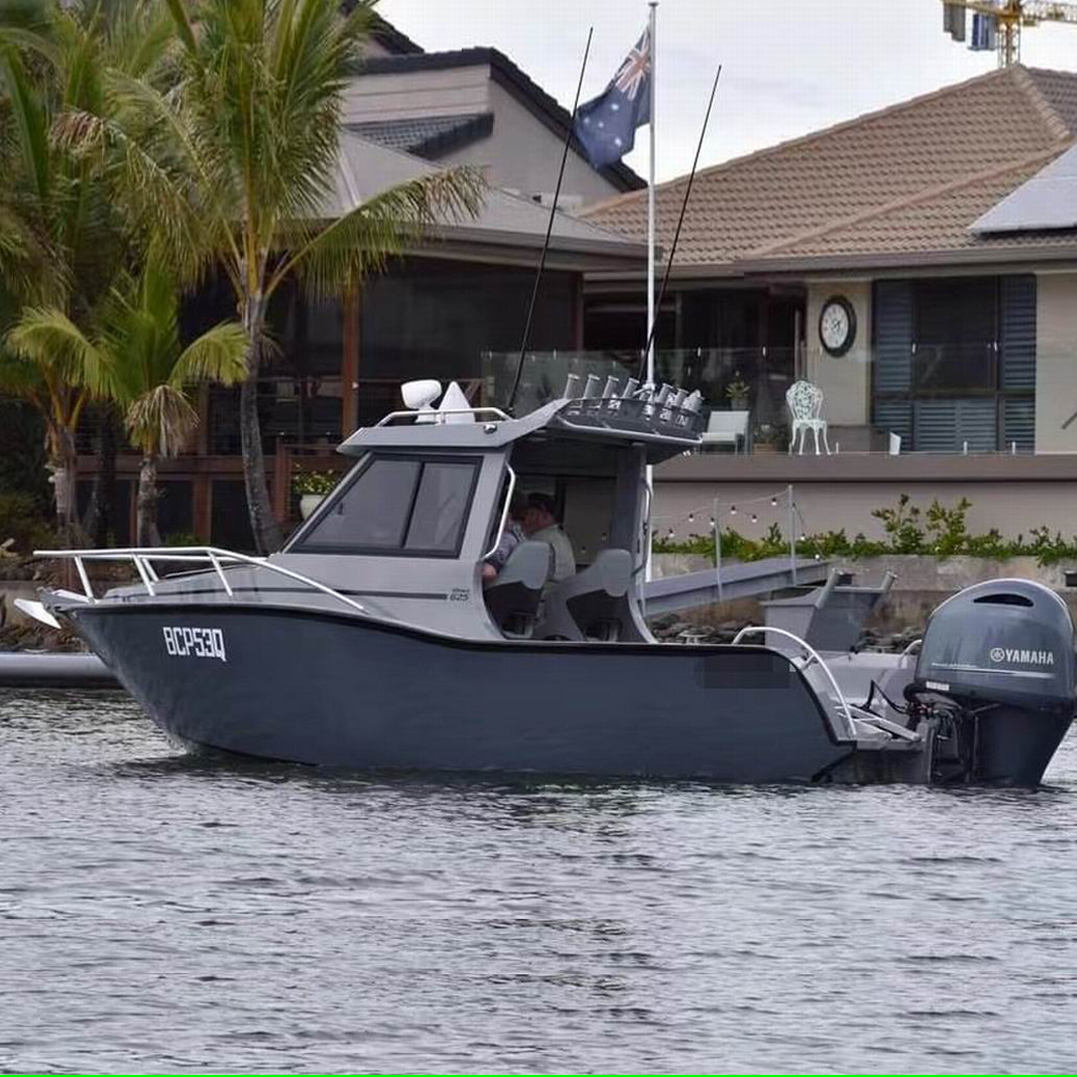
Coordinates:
(144, 556)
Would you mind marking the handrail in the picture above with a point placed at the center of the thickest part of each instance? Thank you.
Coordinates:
(431, 414)
(212, 555)
(504, 512)
(815, 657)
(645, 520)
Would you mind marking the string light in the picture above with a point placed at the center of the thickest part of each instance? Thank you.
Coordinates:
(755, 519)
(732, 510)
(691, 518)
(774, 502)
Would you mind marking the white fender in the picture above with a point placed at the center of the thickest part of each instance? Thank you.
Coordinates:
(37, 611)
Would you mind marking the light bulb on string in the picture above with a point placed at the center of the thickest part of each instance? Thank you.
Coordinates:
(732, 510)
(691, 518)
(712, 521)
(755, 519)
(774, 502)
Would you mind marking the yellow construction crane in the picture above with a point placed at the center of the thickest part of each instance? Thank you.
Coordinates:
(1010, 17)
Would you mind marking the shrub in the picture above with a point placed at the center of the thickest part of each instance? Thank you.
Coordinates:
(936, 531)
(22, 519)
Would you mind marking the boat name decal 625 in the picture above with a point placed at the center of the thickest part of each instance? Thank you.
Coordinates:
(195, 642)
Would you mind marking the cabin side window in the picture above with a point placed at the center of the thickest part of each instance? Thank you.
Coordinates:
(398, 505)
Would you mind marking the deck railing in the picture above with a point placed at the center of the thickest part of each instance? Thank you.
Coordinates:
(143, 558)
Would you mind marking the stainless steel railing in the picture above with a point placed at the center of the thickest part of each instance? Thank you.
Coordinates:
(144, 557)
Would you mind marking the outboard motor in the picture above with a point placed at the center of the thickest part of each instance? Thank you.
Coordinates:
(998, 672)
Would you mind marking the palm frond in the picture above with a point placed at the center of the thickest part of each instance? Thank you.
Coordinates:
(161, 420)
(218, 355)
(30, 119)
(20, 377)
(26, 25)
(185, 31)
(361, 241)
(156, 198)
(49, 339)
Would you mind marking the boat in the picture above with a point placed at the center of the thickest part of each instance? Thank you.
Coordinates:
(371, 640)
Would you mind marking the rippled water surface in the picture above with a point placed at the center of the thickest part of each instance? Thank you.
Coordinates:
(162, 912)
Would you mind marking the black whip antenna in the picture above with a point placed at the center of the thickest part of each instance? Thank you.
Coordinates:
(549, 230)
(677, 234)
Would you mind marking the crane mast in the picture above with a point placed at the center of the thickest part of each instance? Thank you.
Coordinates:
(1011, 16)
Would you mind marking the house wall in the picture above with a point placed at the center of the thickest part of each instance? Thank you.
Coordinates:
(523, 155)
(457, 91)
(1056, 361)
(845, 381)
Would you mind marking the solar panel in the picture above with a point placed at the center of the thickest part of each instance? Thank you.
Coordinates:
(1048, 201)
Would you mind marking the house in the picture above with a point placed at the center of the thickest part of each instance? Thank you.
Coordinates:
(462, 292)
(866, 258)
(475, 106)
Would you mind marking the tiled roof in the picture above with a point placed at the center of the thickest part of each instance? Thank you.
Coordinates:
(910, 178)
(426, 136)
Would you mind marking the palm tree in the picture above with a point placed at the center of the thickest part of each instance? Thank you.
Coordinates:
(62, 239)
(235, 161)
(59, 379)
(141, 365)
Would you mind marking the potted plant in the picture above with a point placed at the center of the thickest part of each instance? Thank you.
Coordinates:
(312, 486)
(737, 392)
(768, 438)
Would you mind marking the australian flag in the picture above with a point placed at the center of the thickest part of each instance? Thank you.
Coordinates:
(606, 126)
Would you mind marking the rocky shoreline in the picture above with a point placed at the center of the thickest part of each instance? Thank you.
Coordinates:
(672, 628)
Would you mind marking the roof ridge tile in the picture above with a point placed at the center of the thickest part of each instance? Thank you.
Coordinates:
(806, 139)
(928, 194)
(1055, 123)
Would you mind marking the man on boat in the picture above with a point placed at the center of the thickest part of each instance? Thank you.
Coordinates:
(540, 525)
(511, 537)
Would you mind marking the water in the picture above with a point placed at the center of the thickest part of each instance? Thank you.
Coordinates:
(159, 912)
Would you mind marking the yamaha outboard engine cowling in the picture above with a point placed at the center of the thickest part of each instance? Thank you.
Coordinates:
(998, 668)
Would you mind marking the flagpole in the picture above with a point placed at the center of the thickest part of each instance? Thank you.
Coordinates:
(651, 313)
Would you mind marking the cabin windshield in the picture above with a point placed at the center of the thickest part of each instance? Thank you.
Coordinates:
(414, 505)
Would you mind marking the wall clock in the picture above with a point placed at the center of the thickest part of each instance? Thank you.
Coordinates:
(837, 325)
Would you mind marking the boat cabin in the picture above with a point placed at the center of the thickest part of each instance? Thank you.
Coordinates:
(408, 530)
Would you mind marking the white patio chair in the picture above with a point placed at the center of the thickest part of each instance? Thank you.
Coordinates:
(805, 403)
(726, 428)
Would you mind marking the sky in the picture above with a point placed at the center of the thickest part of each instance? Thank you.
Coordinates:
(789, 67)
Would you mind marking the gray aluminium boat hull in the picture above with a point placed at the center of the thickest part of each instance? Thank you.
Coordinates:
(319, 688)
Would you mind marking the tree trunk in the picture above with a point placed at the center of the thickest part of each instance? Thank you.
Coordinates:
(264, 525)
(147, 533)
(106, 476)
(64, 465)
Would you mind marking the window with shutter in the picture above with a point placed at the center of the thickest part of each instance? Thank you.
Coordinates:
(955, 363)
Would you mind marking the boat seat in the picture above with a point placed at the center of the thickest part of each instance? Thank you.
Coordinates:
(512, 599)
(591, 604)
